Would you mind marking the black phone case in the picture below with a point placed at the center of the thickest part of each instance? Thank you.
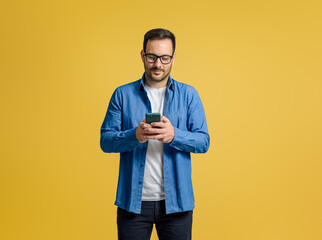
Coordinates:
(152, 117)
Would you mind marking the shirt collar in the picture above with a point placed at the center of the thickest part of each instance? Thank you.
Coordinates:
(170, 83)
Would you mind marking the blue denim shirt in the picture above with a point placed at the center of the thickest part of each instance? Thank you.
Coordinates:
(127, 108)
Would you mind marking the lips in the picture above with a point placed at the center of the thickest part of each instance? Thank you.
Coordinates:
(157, 72)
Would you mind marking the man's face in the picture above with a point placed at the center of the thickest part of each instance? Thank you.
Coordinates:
(158, 72)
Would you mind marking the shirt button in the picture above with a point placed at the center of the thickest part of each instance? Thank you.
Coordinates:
(141, 165)
(140, 183)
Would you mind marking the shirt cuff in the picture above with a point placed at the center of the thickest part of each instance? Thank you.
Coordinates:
(181, 140)
(131, 137)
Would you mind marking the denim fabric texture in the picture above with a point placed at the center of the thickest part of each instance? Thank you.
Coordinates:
(133, 226)
(127, 108)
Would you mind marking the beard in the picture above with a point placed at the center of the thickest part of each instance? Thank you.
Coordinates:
(162, 76)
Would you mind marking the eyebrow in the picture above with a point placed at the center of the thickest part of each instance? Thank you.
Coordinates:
(158, 55)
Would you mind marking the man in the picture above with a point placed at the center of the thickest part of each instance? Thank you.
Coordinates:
(154, 185)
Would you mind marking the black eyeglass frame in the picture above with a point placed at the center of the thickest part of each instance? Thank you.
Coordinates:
(146, 54)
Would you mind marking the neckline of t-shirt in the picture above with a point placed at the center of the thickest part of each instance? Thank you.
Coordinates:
(155, 89)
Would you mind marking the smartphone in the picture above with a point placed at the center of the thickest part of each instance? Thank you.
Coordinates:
(152, 117)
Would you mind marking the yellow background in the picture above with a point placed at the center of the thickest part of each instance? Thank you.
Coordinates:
(256, 66)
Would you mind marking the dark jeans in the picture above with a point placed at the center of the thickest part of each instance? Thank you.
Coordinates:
(175, 226)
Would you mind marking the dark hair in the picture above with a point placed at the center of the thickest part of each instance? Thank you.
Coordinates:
(159, 33)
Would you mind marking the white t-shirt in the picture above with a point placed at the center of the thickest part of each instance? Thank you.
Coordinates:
(153, 186)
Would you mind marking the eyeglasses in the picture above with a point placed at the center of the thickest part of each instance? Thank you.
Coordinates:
(152, 58)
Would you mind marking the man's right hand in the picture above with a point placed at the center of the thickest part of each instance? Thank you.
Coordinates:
(141, 133)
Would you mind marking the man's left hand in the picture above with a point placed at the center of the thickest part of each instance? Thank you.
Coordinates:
(162, 131)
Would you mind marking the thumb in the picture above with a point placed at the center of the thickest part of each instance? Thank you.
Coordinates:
(164, 119)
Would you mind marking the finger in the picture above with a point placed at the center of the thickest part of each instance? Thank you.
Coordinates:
(156, 136)
(146, 125)
(146, 136)
(159, 137)
(158, 124)
(164, 119)
(153, 131)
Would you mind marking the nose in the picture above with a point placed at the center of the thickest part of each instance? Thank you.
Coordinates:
(158, 63)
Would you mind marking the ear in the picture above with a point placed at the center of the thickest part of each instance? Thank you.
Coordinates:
(174, 57)
(142, 55)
